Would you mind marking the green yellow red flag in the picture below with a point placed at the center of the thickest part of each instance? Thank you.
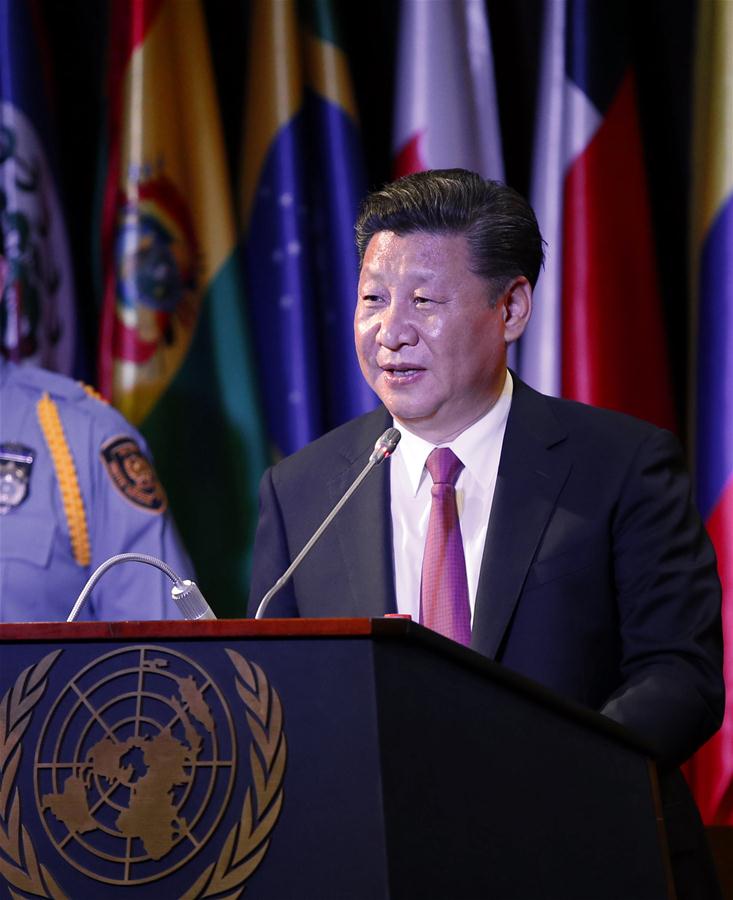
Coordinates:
(174, 353)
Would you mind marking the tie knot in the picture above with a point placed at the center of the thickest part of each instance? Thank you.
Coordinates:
(444, 466)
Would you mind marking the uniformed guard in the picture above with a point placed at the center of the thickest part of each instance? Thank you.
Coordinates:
(76, 487)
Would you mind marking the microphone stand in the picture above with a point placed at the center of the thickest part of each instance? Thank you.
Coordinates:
(382, 449)
(186, 595)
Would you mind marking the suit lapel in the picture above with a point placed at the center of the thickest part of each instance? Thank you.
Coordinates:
(364, 528)
(532, 471)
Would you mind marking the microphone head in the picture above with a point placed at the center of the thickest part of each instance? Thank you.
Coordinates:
(190, 601)
(385, 445)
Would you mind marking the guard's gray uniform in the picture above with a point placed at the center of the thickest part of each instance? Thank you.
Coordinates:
(48, 548)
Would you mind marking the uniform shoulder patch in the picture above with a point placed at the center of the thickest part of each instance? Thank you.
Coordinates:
(132, 474)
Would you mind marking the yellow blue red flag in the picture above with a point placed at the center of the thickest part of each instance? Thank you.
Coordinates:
(174, 354)
(711, 771)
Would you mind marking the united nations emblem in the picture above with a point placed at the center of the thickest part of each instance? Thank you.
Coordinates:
(16, 462)
(135, 771)
(129, 768)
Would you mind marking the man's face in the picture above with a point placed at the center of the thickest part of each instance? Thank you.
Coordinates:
(428, 340)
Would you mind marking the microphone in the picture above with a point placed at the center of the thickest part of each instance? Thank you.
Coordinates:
(186, 595)
(384, 448)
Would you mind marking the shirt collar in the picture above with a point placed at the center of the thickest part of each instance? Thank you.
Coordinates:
(472, 446)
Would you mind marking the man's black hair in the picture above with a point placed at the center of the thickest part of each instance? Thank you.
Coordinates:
(503, 236)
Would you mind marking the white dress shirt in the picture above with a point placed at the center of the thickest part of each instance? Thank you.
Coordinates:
(479, 449)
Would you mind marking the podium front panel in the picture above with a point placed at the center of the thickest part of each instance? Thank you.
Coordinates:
(325, 759)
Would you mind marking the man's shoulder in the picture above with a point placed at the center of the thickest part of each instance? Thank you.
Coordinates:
(337, 450)
(578, 421)
(35, 380)
(82, 410)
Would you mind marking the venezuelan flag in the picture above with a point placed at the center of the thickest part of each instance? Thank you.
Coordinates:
(711, 772)
(301, 181)
(174, 354)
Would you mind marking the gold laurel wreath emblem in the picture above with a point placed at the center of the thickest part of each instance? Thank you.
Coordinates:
(16, 710)
(247, 842)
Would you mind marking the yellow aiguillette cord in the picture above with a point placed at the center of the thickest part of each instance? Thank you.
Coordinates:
(63, 463)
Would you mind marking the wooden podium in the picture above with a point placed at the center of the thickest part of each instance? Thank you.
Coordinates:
(329, 758)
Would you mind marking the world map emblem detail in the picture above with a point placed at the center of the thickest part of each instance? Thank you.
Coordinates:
(131, 775)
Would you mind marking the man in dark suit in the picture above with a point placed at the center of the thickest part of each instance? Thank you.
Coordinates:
(585, 565)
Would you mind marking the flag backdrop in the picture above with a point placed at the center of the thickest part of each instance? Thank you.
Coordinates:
(540, 348)
(174, 352)
(174, 355)
(591, 184)
(338, 184)
(37, 300)
(301, 180)
(446, 114)
(711, 771)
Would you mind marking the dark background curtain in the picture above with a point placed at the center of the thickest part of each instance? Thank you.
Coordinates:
(662, 35)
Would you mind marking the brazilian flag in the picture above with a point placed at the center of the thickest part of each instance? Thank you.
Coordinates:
(302, 177)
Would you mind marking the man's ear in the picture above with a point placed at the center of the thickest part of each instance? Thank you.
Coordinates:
(516, 308)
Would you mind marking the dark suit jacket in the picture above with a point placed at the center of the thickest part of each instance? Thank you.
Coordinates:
(597, 580)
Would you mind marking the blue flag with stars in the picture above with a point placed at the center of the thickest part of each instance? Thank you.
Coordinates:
(302, 177)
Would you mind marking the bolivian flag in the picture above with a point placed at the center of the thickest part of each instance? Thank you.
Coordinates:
(174, 354)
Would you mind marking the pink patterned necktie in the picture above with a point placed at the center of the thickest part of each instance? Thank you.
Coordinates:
(444, 603)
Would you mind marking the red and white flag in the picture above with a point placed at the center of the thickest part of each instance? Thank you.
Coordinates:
(446, 113)
(597, 333)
